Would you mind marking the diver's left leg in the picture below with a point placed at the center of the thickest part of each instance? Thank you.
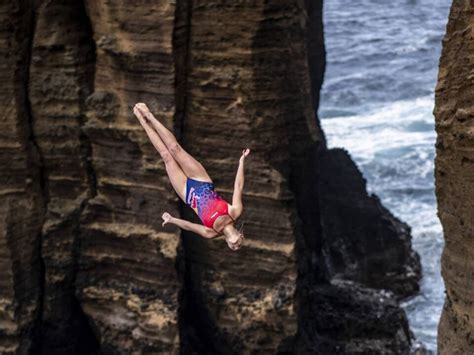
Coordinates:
(174, 171)
(191, 167)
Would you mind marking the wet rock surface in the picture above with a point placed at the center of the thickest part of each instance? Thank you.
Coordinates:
(86, 265)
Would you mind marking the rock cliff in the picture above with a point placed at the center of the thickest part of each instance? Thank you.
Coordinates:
(454, 173)
(22, 184)
(366, 244)
(86, 265)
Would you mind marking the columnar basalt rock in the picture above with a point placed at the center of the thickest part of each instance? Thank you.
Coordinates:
(241, 94)
(61, 74)
(455, 179)
(127, 283)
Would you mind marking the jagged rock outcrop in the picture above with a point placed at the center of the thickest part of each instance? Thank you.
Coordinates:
(86, 265)
(454, 172)
(353, 319)
(364, 242)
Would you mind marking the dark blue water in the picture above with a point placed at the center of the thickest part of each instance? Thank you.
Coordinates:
(377, 102)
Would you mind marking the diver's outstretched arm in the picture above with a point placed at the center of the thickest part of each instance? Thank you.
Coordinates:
(203, 231)
(237, 205)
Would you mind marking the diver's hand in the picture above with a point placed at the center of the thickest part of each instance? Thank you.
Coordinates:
(245, 153)
(166, 218)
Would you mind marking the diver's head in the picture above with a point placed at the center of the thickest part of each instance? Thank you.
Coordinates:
(234, 237)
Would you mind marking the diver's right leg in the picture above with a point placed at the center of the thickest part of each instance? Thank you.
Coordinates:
(190, 166)
(175, 174)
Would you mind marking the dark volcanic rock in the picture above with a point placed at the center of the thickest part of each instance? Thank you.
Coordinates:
(21, 188)
(240, 93)
(350, 318)
(61, 74)
(363, 241)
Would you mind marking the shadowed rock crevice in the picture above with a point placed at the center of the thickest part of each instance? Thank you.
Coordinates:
(300, 141)
(37, 340)
(22, 182)
(193, 320)
(181, 42)
(61, 78)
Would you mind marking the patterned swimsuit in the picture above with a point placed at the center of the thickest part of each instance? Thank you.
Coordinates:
(205, 201)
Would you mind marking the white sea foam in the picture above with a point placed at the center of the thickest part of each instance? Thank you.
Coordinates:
(382, 129)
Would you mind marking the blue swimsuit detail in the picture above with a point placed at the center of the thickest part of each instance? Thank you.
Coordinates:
(205, 201)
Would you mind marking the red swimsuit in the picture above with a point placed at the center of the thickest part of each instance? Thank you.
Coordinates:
(205, 201)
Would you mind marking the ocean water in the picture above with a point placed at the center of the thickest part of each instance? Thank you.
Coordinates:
(377, 102)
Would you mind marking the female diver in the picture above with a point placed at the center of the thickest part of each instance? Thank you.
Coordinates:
(194, 186)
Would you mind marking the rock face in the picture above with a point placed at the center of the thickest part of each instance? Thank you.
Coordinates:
(21, 188)
(61, 70)
(455, 180)
(254, 101)
(127, 283)
(366, 244)
(352, 319)
(86, 265)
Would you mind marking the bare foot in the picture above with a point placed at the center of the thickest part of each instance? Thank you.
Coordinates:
(142, 107)
(139, 115)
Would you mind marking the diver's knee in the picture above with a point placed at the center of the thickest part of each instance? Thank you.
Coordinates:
(166, 156)
(175, 149)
